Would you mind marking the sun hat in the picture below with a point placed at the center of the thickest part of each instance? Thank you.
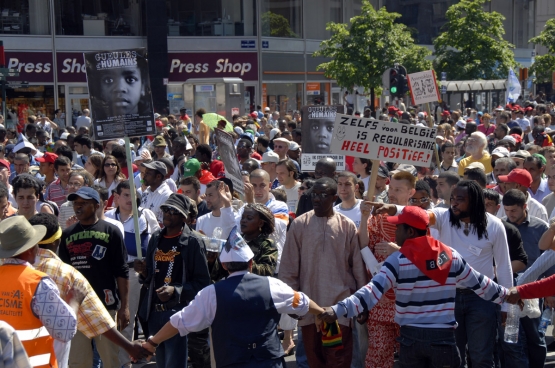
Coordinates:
(17, 235)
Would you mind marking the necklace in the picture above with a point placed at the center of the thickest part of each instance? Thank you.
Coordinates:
(466, 230)
(85, 229)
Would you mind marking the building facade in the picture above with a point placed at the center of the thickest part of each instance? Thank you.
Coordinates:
(267, 43)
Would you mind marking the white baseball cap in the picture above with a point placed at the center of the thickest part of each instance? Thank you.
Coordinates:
(270, 156)
(236, 248)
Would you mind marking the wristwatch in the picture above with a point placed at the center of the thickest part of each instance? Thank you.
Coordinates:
(149, 340)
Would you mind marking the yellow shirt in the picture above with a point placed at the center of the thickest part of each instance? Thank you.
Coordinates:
(485, 160)
(92, 318)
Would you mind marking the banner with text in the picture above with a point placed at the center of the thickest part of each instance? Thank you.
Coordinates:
(227, 152)
(119, 88)
(423, 87)
(382, 140)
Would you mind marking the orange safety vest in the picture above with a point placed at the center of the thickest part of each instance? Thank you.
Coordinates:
(17, 289)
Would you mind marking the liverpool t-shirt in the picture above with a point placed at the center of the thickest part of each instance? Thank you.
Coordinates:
(98, 252)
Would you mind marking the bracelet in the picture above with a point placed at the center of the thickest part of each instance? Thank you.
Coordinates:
(149, 340)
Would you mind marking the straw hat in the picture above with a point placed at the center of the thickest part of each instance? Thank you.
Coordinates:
(17, 235)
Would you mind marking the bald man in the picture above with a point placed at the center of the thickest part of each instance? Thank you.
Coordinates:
(325, 168)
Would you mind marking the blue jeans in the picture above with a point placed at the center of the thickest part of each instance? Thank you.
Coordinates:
(300, 354)
(477, 328)
(172, 353)
(530, 350)
(428, 347)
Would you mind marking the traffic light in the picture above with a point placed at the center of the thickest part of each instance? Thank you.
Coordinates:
(393, 81)
(402, 85)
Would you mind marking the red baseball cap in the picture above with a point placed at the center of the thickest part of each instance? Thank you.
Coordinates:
(159, 124)
(446, 113)
(519, 176)
(517, 138)
(48, 157)
(392, 109)
(253, 115)
(413, 216)
(5, 163)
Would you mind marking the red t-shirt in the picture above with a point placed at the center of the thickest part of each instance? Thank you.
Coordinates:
(126, 173)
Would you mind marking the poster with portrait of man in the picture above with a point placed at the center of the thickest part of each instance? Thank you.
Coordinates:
(119, 89)
(317, 133)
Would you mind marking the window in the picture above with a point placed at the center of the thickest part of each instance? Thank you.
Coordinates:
(99, 18)
(211, 17)
(25, 17)
(318, 14)
(281, 18)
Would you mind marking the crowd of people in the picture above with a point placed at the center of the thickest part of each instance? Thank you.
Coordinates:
(421, 272)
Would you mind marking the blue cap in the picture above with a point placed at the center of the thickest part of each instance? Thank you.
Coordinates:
(85, 193)
(248, 136)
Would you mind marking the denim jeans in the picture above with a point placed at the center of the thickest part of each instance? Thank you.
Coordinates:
(172, 353)
(300, 354)
(428, 348)
(477, 328)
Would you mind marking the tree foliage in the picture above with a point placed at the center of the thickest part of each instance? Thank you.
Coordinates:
(276, 25)
(472, 44)
(544, 65)
(361, 51)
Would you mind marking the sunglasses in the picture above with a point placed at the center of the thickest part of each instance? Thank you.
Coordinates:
(421, 200)
(171, 211)
(110, 165)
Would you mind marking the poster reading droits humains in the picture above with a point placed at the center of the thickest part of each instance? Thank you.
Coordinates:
(119, 89)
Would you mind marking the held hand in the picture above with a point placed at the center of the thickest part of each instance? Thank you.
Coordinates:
(151, 349)
(386, 248)
(318, 322)
(139, 265)
(123, 318)
(165, 293)
(137, 352)
(366, 208)
(363, 317)
(513, 297)
(550, 301)
(328, 315)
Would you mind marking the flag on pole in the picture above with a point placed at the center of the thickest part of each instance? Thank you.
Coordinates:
(513, 87)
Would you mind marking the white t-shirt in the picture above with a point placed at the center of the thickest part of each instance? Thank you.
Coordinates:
(117, 223)
(207, 223)
(353, 213)
(82, 121)
(292, 196)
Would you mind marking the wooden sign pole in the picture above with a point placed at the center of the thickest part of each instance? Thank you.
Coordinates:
(372, 183)
(431, 125)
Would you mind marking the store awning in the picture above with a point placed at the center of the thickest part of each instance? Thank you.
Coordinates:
(475, 85)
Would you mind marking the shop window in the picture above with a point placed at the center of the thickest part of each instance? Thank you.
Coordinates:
(284, 97)
(98, 17)
(211, 17)
(318, 13)
(282, 18)
(24, 17)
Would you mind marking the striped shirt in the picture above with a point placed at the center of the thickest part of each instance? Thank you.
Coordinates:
(56, 193)
(545, 261)
(12, 352)
(420, 301)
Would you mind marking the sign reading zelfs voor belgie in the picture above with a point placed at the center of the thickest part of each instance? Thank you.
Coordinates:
(382, 140)
(423, 87)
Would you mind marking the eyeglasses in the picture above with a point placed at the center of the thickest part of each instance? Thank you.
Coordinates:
(245, 173)
(171, 211)
(110, 165)
(75, 185)
(421, 200)
(314, 195)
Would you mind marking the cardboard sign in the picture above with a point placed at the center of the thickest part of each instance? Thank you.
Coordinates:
(382, 140)
(226, 148)
(423, 87)
(119, 88)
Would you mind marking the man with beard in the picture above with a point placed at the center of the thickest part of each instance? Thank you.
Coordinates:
(325, 167)
(476, 152)
(480, 238)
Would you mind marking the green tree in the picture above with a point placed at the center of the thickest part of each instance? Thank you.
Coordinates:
(361, 51)
(276, 25)
(544, 65)
(472, 45)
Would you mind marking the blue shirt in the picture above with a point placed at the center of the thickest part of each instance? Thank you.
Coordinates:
(542, 191)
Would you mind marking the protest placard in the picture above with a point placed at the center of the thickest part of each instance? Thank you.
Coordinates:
(317, 132)
(227, 152)
(119, 89)
(423, 87)
(382, 140)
